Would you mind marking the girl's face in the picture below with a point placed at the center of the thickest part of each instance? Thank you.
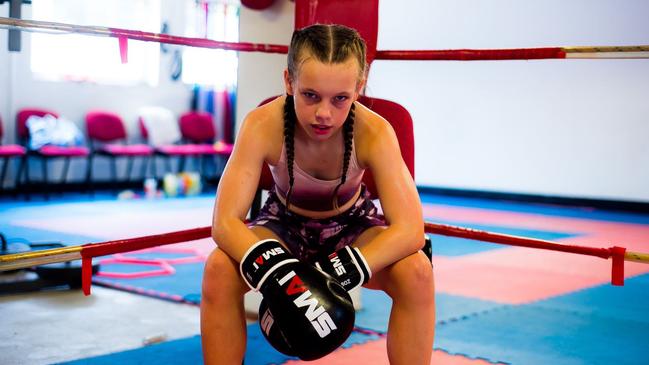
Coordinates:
(323, 95)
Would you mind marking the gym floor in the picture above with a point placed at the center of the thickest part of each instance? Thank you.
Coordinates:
(495, 303)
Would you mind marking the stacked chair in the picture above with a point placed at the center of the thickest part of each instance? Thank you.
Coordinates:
(198, 129)
(7, 152)
(47, 152)
(160, 128)
(108, 138)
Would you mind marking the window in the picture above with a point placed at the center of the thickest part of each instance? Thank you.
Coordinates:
(75, 57)
(216, 20)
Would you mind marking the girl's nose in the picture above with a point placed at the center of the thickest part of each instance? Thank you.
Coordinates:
(323, 112)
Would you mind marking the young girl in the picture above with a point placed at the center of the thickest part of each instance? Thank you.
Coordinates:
(318, 140)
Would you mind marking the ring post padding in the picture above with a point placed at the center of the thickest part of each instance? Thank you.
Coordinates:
(617, 267)
(86, 275)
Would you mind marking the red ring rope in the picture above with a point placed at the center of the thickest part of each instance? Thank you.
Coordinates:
(88, 251)
(458, 54)
(474, 54)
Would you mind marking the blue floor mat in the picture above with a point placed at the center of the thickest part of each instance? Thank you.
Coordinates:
(34, 235)
(537, 208)
(594, 326)
(101, 206)
(375, 313)
(185, 282)
(188, 351)
(629, 302)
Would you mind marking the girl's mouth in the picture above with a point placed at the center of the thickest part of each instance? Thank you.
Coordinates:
(320, 129)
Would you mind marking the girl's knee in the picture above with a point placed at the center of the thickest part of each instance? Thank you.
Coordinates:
(412, 275)
(221, 274)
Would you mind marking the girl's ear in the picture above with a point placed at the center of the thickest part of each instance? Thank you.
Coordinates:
(360, 87)
(288, 83)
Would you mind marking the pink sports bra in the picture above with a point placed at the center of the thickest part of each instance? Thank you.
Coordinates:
(312, 193)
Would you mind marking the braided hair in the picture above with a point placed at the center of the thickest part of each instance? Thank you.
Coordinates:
(329, 44)
(290, 119)
(348, 134)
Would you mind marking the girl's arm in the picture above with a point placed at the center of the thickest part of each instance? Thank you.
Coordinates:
(238, 185)
(398, 196)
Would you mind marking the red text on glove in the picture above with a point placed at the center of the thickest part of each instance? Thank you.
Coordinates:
(266, 255)
(337, 265)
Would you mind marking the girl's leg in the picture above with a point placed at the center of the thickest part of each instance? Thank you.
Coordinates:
(409, 282)
(223, 322)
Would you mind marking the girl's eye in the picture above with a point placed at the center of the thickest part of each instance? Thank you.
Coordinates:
(340, 98)
(310, 95)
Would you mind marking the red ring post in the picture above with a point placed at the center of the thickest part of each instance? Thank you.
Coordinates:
(616, 253)
(88, 251)
(617, 269)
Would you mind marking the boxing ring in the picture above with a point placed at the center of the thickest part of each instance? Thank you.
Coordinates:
(617, 255)
(88, 251)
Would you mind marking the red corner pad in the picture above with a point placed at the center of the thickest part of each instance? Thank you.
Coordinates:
(617, 270)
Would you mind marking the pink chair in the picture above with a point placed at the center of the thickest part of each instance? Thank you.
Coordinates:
(197, 128)
(394, 113)
(46, 152)
(107, 136)
(7, 152)
(181, 150)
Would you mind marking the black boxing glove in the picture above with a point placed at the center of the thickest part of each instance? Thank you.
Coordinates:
(311, 311)
(261, 260)
(348, 266)
(272, 332)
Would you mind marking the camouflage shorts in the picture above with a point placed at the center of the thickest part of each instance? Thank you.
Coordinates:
(308, 238)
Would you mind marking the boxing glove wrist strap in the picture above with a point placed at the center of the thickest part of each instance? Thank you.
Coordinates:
(348, 266)
(261, 259)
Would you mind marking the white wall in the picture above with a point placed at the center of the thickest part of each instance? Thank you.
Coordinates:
(72, 100)
(573, 128)
(260, 74)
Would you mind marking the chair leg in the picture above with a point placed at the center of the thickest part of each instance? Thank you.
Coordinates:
(5, 164)
(154, 168)
(129, 167)
(21, 166)
(181, 164)
(89, 175)
(64, 173)
(113, 169)
(201, 164)
(28, 183)
(45, 178)
(168, 165)
(145, 164)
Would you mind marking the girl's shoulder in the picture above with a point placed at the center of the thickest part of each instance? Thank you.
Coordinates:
(265, 121)
(368, 125)
(370, 130)
(268, 116)
(265, 124)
